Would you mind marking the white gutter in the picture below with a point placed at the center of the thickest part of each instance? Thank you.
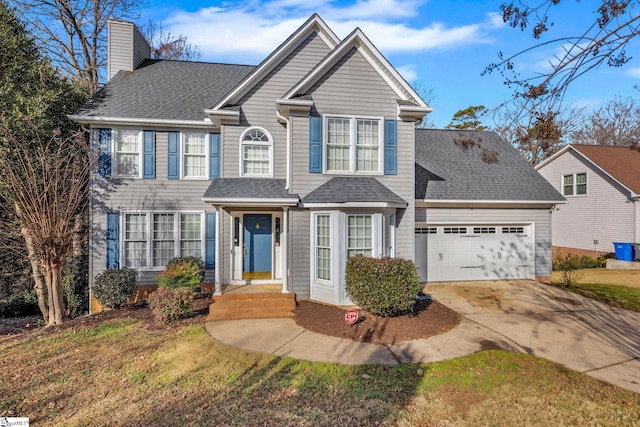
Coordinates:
(355, 205)
(250, 201)
(288, 124)
(133, 121)
(493, 202)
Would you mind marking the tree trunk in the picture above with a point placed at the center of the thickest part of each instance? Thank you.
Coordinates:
(56, 298)
(38, 278)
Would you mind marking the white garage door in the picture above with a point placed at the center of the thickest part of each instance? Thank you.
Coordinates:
(474, 252)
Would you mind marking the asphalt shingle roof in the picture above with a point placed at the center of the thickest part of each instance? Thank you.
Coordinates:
(162, 89)
(622, 163)
(446, 170)
(342, 189)
(248, 188)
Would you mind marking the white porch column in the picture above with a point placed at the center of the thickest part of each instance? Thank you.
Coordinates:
(219, 257)
(284, 243)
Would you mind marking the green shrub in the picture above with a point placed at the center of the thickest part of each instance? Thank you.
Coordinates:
(115, 287)
(17, 306)
(570, 266)
(182, 272)
(382, 286)
(171, 304)
(75, 283)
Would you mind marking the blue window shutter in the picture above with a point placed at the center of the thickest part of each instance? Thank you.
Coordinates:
(210, 249)
(390, 147)
(315, 144)
(174, 152)
(113, 245)
(214, 155)
(104, 145)
(149, 150)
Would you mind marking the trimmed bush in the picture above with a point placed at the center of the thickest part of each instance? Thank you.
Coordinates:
(115, 287)
(182, 272)
(382, 286)
(171, 304)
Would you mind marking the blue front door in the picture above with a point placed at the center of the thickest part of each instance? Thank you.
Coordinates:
(257, 246)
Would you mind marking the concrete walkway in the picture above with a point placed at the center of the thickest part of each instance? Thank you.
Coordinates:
(523, 316)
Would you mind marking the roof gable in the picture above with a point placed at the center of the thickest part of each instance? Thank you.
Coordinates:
(407, 96)
(619, 163)
(313, 24)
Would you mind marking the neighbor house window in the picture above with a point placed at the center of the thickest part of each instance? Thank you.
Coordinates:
(323, 247)
(151, 239)
(353, 144)
(256, 148)
(194, 155)
(127, 152)
(574, 184)
(359, 235)
(135, 240)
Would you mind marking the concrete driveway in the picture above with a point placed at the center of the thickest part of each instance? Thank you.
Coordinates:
(541, 320)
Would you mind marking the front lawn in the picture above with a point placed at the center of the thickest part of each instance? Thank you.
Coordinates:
(128, 371)
(619, 288)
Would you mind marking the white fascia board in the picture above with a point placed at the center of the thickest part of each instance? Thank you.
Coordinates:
(94, 120)
(229, 113)
(466, 203)
(297, 102)
(559, 153)
(354, 205)
(315, 22)
(250, 201)
(358, 40)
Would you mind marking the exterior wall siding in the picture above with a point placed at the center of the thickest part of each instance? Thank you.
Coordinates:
(300, 252)
(605, 214)
(259, 107)
(539, 217)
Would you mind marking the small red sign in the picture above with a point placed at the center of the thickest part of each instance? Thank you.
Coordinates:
(351, 317)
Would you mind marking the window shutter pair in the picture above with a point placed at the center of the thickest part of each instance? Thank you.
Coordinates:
(148, 153)
(390, 146)
(173, 166)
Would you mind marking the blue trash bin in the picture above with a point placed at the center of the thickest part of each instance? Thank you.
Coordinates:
(624, 251)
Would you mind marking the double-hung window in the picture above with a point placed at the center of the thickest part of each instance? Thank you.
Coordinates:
(323, 247)
(359, 235)
(151, 239)
(256, 153)
(353, 144)
(194, 155)
(574, 184)
(127, 152)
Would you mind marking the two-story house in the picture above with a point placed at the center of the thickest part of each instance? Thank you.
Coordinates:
(276, 174)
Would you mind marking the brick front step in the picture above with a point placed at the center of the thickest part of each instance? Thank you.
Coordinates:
(252, 306)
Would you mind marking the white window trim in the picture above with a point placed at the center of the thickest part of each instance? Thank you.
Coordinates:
(114, 157)
(575, 184)
(269, 144)
(352, 149)
(332, 247)
(149, 233)
(207, 156)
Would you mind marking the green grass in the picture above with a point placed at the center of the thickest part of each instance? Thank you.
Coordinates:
(614, 295)
(126, 373)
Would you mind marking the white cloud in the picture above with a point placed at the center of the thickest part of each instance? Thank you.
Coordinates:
(247, 32)
(634, 72)
(408, 72)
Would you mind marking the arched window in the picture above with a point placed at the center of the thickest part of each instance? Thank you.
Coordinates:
(256, 153)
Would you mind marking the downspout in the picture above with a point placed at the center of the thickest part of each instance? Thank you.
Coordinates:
(636, 218)
(288, 124)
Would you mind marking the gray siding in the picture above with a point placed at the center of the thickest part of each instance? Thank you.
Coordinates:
(300, 250)
(160, 194)
(127, 47)
(539, 217)
(259, 107)
(605, 214)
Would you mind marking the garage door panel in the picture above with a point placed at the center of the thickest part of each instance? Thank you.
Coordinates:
(488, 254)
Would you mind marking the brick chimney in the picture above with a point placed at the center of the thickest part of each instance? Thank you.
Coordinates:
(126, 47)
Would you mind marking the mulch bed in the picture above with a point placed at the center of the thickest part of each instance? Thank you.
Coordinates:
(429, 318)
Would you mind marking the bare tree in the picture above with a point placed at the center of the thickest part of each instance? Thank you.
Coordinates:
(615, 123)
(165, 46)
(606, 39)
(74, 32)
(534, 127)
(427, 94)
(47, 185)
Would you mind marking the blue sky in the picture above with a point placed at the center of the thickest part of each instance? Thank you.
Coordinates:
(441, 44)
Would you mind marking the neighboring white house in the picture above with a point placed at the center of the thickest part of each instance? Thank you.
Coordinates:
(602, 187)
